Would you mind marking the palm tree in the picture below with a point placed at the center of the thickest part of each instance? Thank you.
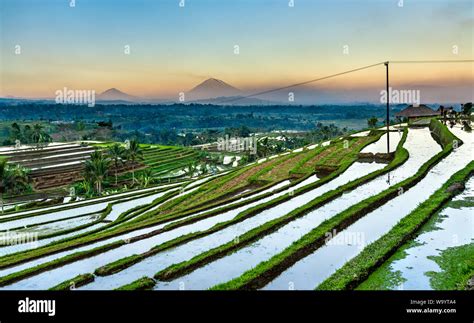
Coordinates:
(372, 122)
(263, 147)
(116, 153)
(85, 186)
(132, 154)
(38, 135)
(204, 169)
(146, 177)
(191, 169)
(3, 166)
(16, 180)
(13, 179)
(96, 169)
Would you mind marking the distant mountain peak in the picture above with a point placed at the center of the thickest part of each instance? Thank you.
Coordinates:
(113, 94)
(113, 90)
(212, 88)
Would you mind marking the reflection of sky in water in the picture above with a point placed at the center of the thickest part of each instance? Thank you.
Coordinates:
(56, 276)
(421, 147)
(315, 268)
(454, 228)
(381, 145)
(49, 228)
(220, 270)
(151, 265)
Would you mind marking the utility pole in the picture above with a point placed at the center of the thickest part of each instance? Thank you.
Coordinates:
(388, 110)
(1, 196)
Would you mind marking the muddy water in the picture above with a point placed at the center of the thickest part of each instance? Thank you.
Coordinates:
(144, 245)
(160, 261)
(454, 227)
(315, 268)
(420, 146)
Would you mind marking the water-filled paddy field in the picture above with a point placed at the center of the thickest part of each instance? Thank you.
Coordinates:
(196, 235)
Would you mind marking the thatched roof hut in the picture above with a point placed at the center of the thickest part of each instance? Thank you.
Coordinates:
(421, 111)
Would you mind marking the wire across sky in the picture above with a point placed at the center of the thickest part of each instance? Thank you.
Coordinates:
(340, 74)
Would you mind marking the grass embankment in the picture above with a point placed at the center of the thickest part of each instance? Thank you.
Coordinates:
(374, 255)
(202, 199)
(268, 270)
(259, 177)
(99, 213)
(457, 267)
(107, 210)
(144, 283)
(386, 278)
(254, 177)
(9, 279)
(118, 265)
(75, 241)
(163, 159)
(220, 188)
(73, 205)
(78, 281)
(442, 134)
(91, 237)
(28, 272)
(34, 205)
(333, 156)
(180, 269)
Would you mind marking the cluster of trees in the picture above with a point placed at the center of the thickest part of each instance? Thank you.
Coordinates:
(269, 146)
(372, 122)
(180, 124)
(467, 108)
(97, 168)
(27, 134)
(13, 179)
(464, 116)
(203, 164)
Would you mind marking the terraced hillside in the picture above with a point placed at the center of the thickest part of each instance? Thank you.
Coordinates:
(331, 215)
(51, 166)
(166, 160)
(59, 165)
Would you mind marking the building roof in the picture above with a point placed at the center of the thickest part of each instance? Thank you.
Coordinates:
(419, 111)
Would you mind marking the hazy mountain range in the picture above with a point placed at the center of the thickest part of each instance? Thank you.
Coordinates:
(217, 92)
(210, 91)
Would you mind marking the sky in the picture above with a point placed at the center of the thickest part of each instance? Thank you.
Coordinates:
(174, 48)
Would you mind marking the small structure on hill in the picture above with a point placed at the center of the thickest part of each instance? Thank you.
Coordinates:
(416, 112)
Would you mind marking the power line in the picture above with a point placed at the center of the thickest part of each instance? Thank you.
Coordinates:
(302, 83)
(433, 61)
(343, 73)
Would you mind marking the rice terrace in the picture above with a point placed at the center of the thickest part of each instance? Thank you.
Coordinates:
(174, 219)
(314, 166)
